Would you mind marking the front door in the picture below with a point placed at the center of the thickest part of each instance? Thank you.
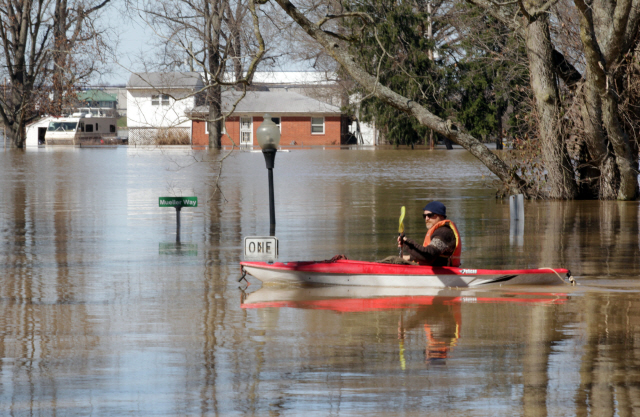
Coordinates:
(246, 133)
(42, 131)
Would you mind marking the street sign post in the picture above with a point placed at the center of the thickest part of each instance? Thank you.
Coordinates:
(260, 248)
(178, 203)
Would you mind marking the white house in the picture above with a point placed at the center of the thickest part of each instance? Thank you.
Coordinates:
(157, 104)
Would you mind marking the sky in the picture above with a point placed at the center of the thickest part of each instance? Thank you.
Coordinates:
(136, 41)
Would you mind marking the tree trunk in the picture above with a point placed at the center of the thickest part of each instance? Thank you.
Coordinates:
(59, 55)
(602, 176)
(599, 77)
(16, 134)
(213, 25)
(215, 127)
(499, 115)
(560, 176)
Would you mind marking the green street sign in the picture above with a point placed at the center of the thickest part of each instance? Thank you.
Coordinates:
(180, 249)
(178, 202)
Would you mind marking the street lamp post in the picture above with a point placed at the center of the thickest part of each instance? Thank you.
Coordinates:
(268, 135)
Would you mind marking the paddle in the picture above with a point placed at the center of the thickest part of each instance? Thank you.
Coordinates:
(401, 228)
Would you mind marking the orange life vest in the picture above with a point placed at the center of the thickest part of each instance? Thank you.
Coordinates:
(454, 259)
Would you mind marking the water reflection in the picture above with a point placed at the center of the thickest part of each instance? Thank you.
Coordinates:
(96, 319)
(178, 249)
(435, 313)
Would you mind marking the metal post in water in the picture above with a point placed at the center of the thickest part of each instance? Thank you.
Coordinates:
(178, 224)
(516, 213)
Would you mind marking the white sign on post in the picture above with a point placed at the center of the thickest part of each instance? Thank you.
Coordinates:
(260, 248)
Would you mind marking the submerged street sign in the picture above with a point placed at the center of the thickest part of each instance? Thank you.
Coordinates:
(173, 248)
(259, 248)
(178, 202)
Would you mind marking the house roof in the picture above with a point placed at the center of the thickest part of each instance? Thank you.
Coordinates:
(39, 121)
(165, 80)
(194, 79)
(311, 78)
(274, 102)
(95, 95)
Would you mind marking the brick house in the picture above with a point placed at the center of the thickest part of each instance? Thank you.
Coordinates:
(303, 120)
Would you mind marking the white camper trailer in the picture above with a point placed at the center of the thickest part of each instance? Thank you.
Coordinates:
(81, 129)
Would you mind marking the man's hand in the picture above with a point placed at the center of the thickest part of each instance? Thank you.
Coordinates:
(401, 238)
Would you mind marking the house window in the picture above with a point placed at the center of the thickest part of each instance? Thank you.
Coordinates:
(276, 120)
(246, 131)
(317, 125)
(158, 99)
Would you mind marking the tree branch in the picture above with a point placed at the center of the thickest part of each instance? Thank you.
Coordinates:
(445, 127)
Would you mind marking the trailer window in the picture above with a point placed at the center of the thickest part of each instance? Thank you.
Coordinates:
(89, 128)
(62, 126)
(112, 128)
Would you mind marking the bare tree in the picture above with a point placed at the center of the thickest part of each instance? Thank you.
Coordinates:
(25, 34)
(338, 48)
(609, 36)
(73, 28)
(215, 36)
(603, 46)
(39, 41)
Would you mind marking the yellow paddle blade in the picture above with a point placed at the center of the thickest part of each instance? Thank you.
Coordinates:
(401, 227)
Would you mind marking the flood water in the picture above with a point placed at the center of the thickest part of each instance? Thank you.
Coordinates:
(101, 313)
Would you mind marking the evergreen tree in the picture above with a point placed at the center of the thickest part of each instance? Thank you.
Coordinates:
(396, 48)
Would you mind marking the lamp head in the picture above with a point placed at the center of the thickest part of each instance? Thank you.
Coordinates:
(268, 134)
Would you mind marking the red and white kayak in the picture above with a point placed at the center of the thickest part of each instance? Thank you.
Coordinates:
(360, 273)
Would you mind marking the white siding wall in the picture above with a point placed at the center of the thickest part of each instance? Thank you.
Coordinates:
(141, 113)
(368, 133)
(32, 132)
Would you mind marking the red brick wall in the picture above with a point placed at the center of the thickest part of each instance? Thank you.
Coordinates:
(298, 129)
(232, 126)
(293, 129)
(198, 135)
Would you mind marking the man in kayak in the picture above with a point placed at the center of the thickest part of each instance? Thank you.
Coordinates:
(442, 245)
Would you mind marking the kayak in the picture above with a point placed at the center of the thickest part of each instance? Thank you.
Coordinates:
(361, 273)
